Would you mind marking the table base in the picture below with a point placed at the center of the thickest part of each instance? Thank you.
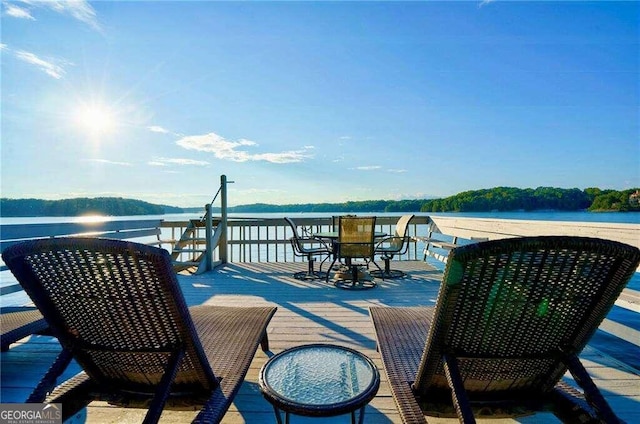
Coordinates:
(354, 279)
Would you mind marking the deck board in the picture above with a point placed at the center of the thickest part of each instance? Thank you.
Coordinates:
(308, 312)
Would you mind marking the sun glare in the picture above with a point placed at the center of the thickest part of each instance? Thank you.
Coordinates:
(95, 119)
(91, 218)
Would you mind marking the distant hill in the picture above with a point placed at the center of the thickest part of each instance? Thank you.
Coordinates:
(114, 206)
(494, 199)
(485, 200)
(541, 198)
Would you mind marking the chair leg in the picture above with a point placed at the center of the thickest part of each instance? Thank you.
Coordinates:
(458, 393)
(264, 342)
(48, 382)
(310, 261)
(322, 263)
(164, 388)
(330, 268)
(591, 392)
(310, 273)
(387, 272)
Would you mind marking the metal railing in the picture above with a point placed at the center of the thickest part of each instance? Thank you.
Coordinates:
(267, 239)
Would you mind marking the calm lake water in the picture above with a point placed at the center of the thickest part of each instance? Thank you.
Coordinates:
(619, 217)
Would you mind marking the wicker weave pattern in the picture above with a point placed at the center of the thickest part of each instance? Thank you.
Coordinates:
(401, 333)
(513, 313)
(17, 323)
(531, 301)
(118, 308)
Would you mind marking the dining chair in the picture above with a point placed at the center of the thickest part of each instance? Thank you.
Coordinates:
(355, 245)
(388, 247)
(308, 247)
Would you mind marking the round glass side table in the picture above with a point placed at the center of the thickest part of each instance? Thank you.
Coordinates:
(319, 380)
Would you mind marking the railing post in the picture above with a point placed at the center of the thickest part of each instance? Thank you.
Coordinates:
(222, 245)
(209, 236)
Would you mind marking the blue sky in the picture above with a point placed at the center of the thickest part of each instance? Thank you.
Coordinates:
(305, 102)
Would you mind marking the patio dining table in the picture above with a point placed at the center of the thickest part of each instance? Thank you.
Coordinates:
(341, 273)
(334, 235)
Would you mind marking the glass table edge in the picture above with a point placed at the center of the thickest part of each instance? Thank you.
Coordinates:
(329, 409)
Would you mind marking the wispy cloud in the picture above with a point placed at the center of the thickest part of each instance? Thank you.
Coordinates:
(158, 129)
(235, 150)
(367, 168)
(110, 162)
(162, 130)
(177, 161)
(397, 171)
(52, 67)
(282, 157)
(17, 12)
(485, 3)
(80, 10)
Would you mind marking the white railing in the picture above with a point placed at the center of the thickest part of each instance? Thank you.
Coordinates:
(492, 229)
(267, 239)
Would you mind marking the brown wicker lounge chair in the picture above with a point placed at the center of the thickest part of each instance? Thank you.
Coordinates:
(117, 309)
(511, 317)
(19, 322)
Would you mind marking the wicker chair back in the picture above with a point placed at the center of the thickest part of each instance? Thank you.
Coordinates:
(514, 311)
(117, 307)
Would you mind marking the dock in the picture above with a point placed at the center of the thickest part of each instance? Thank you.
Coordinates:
(308, 312)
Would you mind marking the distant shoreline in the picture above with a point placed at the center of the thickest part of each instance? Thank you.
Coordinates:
(246, 209)
(498, 199)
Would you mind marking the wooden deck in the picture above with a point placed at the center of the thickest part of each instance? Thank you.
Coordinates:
(307, 312)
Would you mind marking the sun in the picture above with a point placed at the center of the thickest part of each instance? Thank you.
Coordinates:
(96, 119)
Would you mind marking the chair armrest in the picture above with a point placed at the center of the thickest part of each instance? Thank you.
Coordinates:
(402, 244)
(314, 240)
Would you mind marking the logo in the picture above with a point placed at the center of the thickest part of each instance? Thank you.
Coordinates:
(30, 413)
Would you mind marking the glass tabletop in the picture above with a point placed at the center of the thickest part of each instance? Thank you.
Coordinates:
(320, 375)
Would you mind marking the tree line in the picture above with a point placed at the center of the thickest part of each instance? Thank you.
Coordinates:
(541, 198)
(485, 200)
(114, 206)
